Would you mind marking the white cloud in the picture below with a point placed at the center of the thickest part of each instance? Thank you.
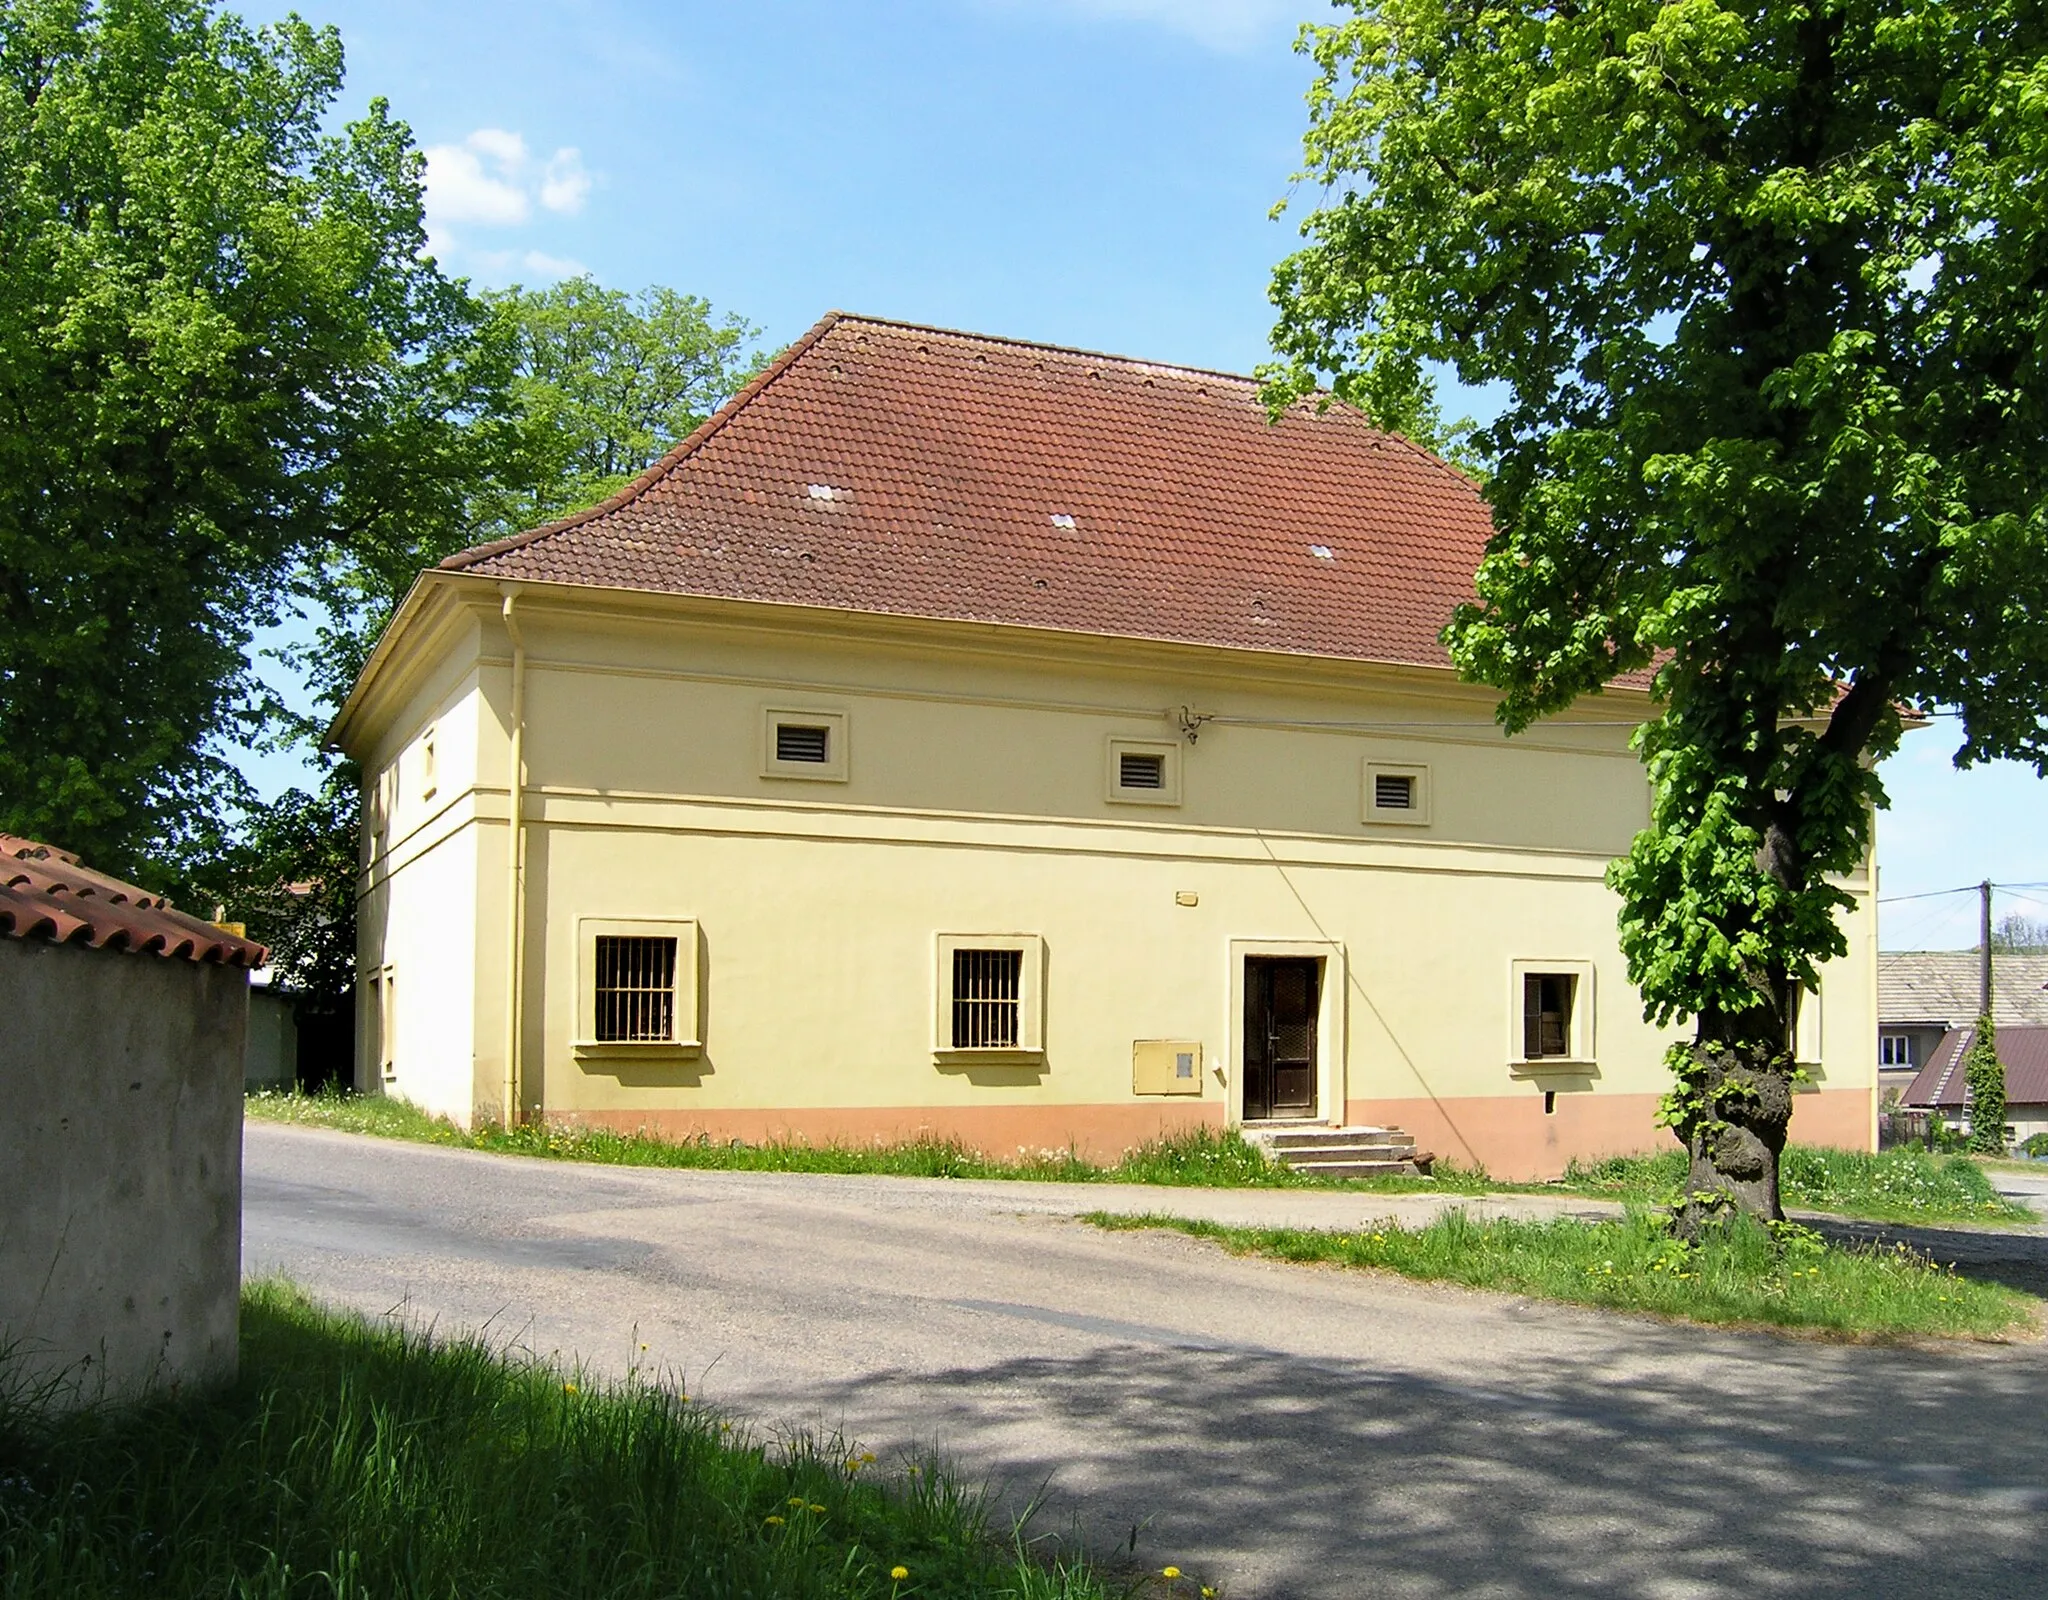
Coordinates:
(564, 185)
(499, 268)
(1220, 24)
(491, 179)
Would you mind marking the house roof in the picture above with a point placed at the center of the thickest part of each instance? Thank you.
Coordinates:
(1939, 988)
(46, 894)
(884, 467)
(2023, 1051)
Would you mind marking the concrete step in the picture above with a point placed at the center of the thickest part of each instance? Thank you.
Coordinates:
(1350, 1152)
(1357, 1169)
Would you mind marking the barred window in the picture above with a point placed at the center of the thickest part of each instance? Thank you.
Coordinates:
(636, 989)
(1547, 1014)
(988, 991)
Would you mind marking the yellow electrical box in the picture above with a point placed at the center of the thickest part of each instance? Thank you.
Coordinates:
(1166, 1066)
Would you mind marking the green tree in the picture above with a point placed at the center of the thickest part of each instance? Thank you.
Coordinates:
(607, 382)
(1762, 284)
(602, 384)
(221, 350)
(1984, 1075)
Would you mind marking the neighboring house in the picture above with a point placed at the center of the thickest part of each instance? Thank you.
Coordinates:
(1017, 745)
(1942, 1085)
(1924, 994)
(121, 1149)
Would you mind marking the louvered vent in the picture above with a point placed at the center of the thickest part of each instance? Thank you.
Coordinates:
(1139, 770)
(1393, 791)
(795, 741)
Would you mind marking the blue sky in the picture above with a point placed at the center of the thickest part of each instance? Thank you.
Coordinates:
(1088, 172)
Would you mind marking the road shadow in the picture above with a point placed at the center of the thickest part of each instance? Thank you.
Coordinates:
(1820, 1479)
(2016, 1258)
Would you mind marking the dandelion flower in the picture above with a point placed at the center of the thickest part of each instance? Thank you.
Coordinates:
(816, 1507)
(568, 1388)
(899, 1573)
(1169, 1572)
(867, 1458)
(798, 1501)
(774, 1522)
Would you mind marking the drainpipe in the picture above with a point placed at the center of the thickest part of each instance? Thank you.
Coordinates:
(515, 867)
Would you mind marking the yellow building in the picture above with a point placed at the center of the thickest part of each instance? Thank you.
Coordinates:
(1016, 744)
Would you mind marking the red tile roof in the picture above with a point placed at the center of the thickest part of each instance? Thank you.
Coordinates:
(2024, 1052)
(883, 467)
(46, 894)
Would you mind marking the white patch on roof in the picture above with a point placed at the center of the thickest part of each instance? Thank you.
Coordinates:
(825, 491)
(1063, 519)
(1322, 552)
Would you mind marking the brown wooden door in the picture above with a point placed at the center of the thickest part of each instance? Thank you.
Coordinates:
(1281, 995)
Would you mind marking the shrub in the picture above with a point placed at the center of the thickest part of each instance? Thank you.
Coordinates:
(1986, 1075)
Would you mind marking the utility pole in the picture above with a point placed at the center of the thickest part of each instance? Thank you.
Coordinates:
(1984, 949)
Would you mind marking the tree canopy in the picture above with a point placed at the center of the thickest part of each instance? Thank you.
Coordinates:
(1763, 283)
(222, 351)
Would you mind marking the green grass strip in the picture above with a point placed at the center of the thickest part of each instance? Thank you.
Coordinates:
(1744, 1273)
(352, 1461)
(1902, 1185)
(1896, 1186)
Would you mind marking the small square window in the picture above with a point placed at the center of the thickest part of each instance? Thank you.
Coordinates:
(804, 744)
(1551, 1019)
(990, 998)
(1144, 772)
(1396, 792)
(1895, 1050)
(637, 984)
(636, 989)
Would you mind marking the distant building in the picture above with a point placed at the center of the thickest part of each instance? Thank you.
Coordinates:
(1924, 995)
(1942, 1084)
(983, 740)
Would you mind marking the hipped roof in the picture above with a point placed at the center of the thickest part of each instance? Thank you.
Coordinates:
(885, 467)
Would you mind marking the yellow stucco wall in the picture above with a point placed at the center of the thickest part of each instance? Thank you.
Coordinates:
(975, 803)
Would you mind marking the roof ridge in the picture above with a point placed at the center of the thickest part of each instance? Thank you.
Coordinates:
(674, 456)
(1011, 340)
(1967, 1038)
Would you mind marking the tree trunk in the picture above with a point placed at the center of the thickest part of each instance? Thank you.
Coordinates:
(1740, 1106)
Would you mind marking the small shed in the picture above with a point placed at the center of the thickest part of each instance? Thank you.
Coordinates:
(121, 1148)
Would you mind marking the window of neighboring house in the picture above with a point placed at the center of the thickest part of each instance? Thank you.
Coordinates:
(1895, 1050)
(1144, 772)
(804, 744)
(637, 983)
(990, 996)
(1552, 1015)
(1396, 792)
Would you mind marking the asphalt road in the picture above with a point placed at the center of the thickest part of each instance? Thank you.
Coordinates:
(1283, 1431)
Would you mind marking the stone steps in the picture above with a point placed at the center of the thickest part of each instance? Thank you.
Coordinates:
(1338, 1152)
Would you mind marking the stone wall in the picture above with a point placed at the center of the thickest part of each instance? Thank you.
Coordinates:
(120, 1170)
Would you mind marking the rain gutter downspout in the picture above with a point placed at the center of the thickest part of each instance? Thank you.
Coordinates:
(515, 869)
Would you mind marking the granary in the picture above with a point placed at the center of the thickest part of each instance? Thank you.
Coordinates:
(121, 1150)
(1034, 748)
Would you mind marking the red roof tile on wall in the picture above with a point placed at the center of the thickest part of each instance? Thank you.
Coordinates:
(46, 894)
(882, 467)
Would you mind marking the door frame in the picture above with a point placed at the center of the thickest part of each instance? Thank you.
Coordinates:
(1331, 1013)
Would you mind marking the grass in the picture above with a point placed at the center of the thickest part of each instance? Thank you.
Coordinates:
(352, 1461)
(1903, 1185)
(1199, 1157)
(1743, 1273)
